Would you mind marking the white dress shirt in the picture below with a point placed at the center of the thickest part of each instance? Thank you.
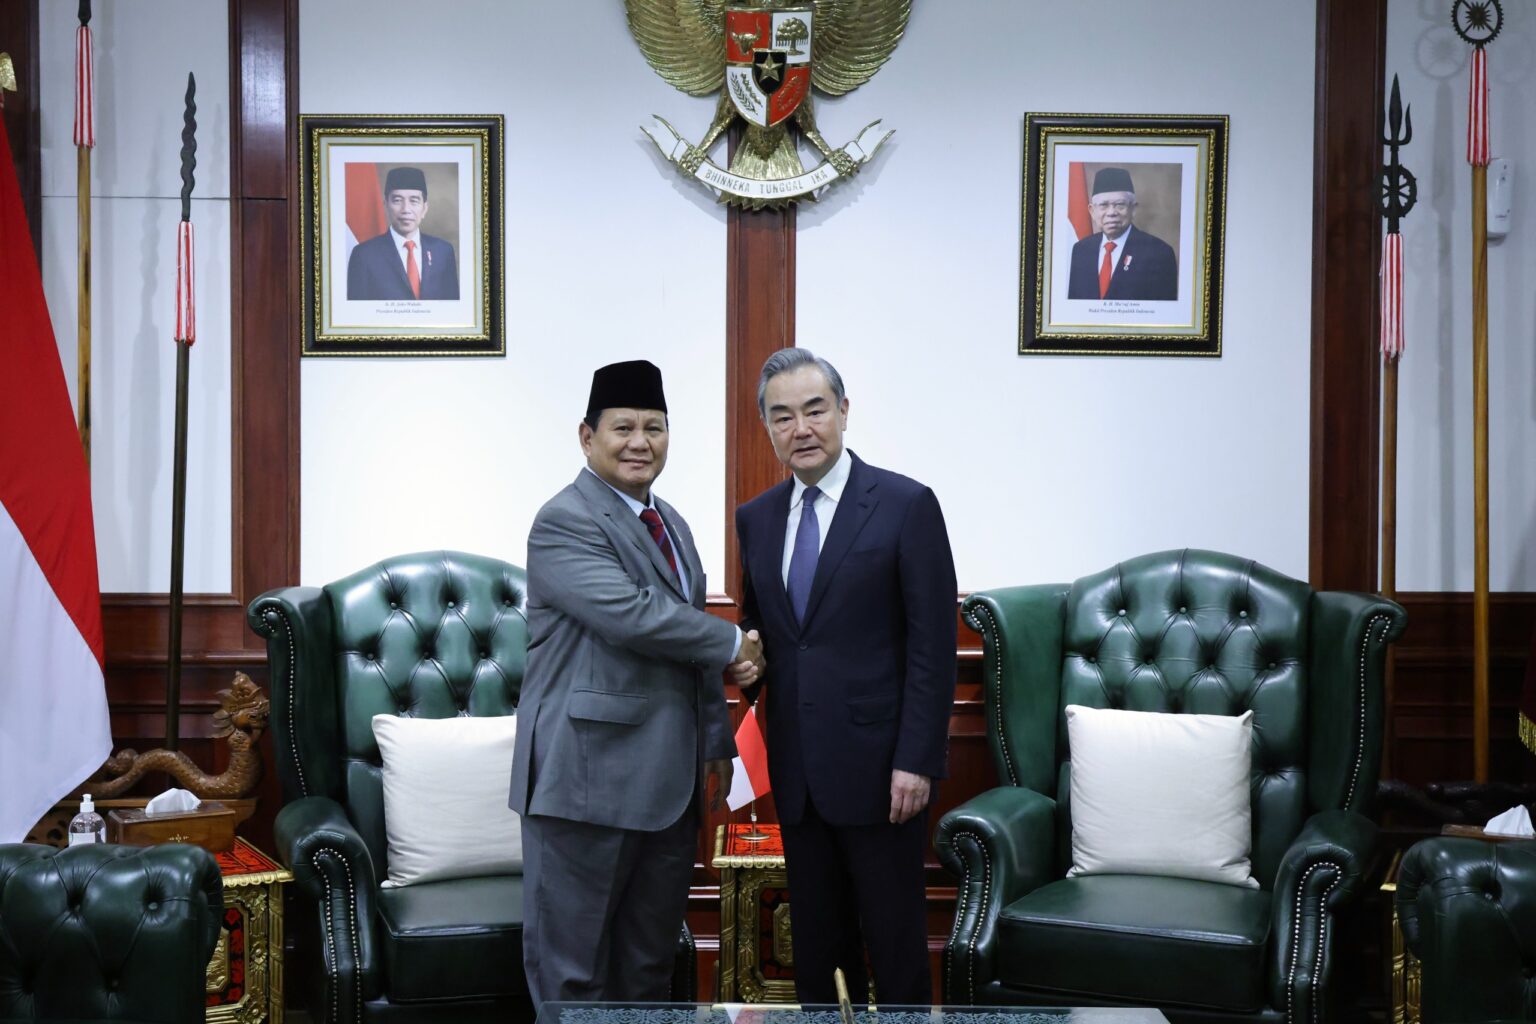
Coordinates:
(826, 506)
(1119, 251)
(405, 262)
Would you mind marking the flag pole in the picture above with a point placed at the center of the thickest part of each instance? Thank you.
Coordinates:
(1397, 195)
(1478, 22)
(85, 139)
(186, 334)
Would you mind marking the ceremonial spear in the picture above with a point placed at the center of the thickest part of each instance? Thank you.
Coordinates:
(85, 139)
(1477, 22)
(186, 334)
(1399, 191)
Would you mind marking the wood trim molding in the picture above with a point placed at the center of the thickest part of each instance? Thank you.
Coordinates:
(19, 38)
(1346, 246)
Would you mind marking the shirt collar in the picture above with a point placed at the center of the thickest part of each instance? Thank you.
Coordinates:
(831, 485)
(634, 506)
(400, 240)
(1125, 236)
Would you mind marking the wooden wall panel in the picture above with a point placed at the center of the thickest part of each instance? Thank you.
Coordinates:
(1346, 245)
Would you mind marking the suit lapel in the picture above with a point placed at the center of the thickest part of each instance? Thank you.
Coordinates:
(628, 524)
(397, 266)
(853, 511)
(685, 550)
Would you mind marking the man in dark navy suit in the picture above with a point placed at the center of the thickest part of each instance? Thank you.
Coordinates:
(1121, 261)
(403, 262)
(847, 574)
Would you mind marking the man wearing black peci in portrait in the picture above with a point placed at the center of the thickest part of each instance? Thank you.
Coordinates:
(1121, 261)
(404, 262)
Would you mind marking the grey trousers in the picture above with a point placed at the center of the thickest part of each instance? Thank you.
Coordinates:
(603, 908)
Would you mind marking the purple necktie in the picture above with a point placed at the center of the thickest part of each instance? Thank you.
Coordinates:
(802, 563)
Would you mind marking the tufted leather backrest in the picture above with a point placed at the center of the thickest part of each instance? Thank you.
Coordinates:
(427, 635)
(1197, 632)
(107, 933)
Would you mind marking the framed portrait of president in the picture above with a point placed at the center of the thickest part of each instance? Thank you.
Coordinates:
(1123, 235)
(402, 235)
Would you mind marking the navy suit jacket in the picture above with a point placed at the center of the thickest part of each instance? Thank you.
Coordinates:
(374, 270)
(866, 684)
(1146, 270)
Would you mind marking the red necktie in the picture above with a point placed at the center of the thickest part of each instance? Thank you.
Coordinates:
(413, 275)
(652, 521)
(1105, 270)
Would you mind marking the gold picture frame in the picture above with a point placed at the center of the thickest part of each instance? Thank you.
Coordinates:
(1122, 235)
(387, 278)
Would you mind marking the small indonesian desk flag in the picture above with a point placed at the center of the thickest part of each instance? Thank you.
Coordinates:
(749, 769)
(54, 730)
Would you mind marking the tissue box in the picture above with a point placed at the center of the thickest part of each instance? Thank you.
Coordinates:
(211, 826)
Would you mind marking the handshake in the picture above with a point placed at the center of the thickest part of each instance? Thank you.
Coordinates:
(750, 663)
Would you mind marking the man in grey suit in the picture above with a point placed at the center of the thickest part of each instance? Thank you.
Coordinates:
(621, 706)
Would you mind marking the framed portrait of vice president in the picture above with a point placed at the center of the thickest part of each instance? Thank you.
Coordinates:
(402, 235)
(1123, 235)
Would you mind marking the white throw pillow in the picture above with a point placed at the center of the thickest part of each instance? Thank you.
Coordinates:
(1161, 794)
(445, 797)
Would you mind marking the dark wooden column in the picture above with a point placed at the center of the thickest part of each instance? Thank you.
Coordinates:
(264, 93)
(759, 320)
(1346, 253)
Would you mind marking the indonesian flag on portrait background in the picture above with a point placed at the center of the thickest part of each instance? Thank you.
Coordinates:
(1077, 199)
(365, 205)
(749, 769)
(54, 730)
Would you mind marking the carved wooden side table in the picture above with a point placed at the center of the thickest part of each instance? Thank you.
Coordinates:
(245, 976)
(756, 957)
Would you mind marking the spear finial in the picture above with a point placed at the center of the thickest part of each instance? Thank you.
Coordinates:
(188, 146)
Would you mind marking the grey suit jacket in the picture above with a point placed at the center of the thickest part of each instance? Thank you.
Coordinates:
(622, 695)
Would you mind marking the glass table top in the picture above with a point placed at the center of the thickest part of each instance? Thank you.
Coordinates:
(788, 1013)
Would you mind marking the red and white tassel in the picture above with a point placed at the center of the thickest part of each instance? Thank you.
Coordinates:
(186, 302)
(85, 89)
(1392, 296)
(1477, 111)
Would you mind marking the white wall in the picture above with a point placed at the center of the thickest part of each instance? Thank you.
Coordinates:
(609, 256)
(1052, 467)
(1435, 527)
(136, 188)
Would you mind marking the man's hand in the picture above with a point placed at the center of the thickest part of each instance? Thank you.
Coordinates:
(749, 667)
(909, 794)
(720, 771)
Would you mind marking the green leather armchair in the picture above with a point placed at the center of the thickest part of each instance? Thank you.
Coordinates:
(429, 635)
(1467, 909)
(107, 933)
(1182, 632)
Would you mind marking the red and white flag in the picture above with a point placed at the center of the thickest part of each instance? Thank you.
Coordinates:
(365, 204)
(54, 730)
(749, 769)
(1077, 199)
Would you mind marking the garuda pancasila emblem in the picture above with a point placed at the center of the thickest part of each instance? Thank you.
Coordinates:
(764, 59)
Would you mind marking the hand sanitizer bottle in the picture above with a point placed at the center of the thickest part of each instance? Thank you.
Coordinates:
(87, 826)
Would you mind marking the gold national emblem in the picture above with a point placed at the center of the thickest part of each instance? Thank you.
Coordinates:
(764, 60)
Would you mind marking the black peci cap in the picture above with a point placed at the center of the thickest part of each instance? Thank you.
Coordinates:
(635, 384)
(1112, 179)
(411, 177)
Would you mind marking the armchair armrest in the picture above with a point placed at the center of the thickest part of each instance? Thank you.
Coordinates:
(1021, 628)
(1320, 873)
(1346, 703)
(332, 867)
(1465, 907)
(1001, 845)
(296, 622)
